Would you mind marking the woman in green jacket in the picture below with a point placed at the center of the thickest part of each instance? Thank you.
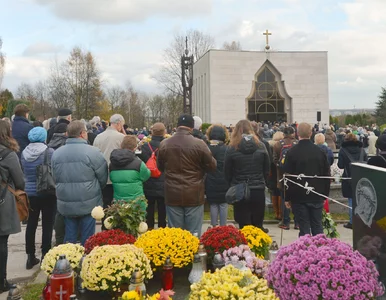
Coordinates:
(127, 171)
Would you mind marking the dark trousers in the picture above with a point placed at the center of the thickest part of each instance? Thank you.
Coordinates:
(59, 229)
(251, 212)
(46, 205)
(108, 196)
(3, 257)
(151, 201)
(309, 217)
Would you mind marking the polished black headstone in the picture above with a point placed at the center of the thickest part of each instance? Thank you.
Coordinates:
(369, 214)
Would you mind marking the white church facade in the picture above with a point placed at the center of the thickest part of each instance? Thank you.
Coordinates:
(261, 86)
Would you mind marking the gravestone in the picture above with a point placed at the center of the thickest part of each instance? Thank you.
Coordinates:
(369, 214)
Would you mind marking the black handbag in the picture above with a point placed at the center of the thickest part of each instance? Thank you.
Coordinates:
(45, 184)
(238, 193)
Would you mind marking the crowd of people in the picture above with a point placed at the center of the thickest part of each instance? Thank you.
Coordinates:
(95, 162)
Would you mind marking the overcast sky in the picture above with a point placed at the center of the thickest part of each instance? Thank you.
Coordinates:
(127, 37)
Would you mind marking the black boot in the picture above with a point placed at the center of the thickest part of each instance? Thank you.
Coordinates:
(31, 261)
(5, 286)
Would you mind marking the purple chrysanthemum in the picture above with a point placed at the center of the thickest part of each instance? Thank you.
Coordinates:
(322, 268)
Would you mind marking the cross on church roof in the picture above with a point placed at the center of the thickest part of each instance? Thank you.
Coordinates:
(267, 34)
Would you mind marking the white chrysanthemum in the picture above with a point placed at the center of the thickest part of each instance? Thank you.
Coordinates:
(142, 228)
(97, 213)
(108, 222)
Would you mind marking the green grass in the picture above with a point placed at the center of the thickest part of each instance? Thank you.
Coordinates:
(267, 216)
(33, 291)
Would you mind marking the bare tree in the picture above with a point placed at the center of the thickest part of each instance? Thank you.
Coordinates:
(2, 62)
(115, 96)
(76, 83)
(25, 91)
(173, 109)
(234, 46)
(169, 75)
(156, 109)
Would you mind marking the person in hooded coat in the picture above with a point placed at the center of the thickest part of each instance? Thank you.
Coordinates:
(351, 151)
(215, 184)
(247, 161)
(154, 187)
(127, 171)
(32, 156)
(64, 118)
(59, 138)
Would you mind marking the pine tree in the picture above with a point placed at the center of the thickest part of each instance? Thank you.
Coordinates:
(380, 111)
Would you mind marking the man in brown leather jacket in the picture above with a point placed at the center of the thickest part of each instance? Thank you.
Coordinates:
(185, 161)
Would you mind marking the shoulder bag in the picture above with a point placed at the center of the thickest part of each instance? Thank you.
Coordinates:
(21, 197)
(239, 192)
(45, 184)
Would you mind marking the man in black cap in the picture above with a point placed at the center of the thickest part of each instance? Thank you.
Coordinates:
(64, 117)
(185, 160)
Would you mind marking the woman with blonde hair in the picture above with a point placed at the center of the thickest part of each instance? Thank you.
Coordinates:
(215, 184)
(247, 161)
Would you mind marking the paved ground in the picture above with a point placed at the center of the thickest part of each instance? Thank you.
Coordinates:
(17, 257)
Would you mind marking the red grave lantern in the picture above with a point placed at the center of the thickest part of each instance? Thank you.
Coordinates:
(62, 280)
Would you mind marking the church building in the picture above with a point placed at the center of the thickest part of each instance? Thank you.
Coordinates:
(261, 86)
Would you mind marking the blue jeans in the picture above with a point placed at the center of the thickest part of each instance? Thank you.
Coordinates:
(309, 216)
(350, 210)
(216, 210)
(85, 225)
(188, 218)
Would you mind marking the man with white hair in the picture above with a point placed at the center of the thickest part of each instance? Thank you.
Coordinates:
(197, 133)
(106, 142)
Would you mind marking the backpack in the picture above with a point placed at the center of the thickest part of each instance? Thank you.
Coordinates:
(283, 152)
(352, 160)
(151, 164)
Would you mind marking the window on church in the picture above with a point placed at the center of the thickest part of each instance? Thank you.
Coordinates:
(266, 98)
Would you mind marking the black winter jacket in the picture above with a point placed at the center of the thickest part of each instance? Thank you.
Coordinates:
(306, 158)
(355, 149)
(153, 187)
(56, 128)
(248, 163)
(215, 184)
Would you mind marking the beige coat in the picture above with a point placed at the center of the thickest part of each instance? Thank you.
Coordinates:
(330, 139)
(108, 141)
(372, 140)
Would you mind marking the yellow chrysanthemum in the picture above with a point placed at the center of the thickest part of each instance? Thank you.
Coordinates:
(231, 283)
(107, 267)
(180, 245)
(132, 295)
(257, 239)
